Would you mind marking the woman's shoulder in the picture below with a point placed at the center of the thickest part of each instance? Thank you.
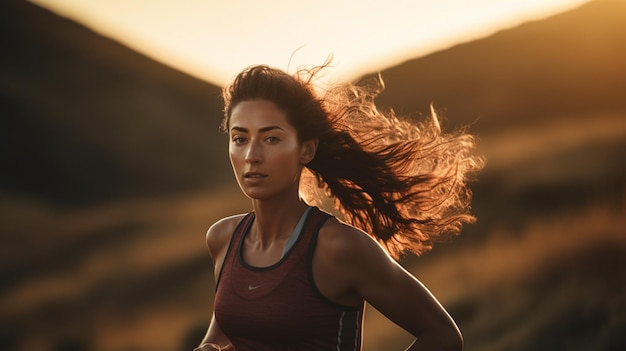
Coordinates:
(219, 233)
(350, 257)
(226, 223)
(339, 240)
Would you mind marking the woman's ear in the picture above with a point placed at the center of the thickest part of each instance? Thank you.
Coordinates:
(309, 148)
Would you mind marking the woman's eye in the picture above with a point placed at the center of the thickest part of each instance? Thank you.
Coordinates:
(239, 140)
(272, 139)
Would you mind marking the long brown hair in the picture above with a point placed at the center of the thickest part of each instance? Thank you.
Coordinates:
(404, 182)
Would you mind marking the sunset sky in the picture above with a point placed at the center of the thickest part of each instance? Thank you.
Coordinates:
(213, 40)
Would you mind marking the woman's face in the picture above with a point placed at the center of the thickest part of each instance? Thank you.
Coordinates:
(264, 150)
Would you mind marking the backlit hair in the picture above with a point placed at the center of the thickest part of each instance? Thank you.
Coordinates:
(404, 182)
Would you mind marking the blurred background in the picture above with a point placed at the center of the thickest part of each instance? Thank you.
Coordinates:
(112, 169)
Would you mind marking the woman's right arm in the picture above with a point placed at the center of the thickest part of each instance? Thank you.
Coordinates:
(214, 339)
(217, 241)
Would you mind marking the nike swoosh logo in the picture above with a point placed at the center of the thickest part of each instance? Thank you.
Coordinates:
(250, 287)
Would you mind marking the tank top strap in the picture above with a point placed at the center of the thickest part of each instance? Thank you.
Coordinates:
(238, 233)
(241, 229)
(314, 222)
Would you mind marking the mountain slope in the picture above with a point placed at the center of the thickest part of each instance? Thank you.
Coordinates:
(547, 101)
(571, 64)
(86, 119)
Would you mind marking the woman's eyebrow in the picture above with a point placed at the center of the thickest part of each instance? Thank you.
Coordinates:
(267, 129)
(239, 129)
(261, 130)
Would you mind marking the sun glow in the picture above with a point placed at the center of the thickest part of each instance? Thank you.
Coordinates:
(213, 40)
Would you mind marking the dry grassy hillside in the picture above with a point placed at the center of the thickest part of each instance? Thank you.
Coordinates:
(570, 66)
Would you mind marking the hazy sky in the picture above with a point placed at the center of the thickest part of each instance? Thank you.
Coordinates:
(215, 39)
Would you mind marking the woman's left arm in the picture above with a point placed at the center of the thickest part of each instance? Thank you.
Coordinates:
(397, 294)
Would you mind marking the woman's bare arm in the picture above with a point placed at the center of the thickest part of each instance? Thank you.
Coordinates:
(383, 283)
(217, 241)
(214, 339)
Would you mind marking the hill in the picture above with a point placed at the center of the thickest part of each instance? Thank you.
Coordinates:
(546, 99)
(570, 65)
(87, 120)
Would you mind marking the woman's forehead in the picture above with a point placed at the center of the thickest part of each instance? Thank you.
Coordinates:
(256, 114)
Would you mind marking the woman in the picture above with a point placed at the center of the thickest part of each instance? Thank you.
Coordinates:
(292, 277)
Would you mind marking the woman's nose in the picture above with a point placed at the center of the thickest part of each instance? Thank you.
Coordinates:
(253, 154)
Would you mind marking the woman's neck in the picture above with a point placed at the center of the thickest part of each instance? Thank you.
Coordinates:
(275, 219)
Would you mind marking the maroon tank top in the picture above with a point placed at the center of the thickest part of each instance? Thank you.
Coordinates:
(279, 307)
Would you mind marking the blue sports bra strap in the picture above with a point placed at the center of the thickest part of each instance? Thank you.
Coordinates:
(293, 237)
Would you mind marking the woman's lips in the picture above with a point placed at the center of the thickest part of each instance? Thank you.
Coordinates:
(254, 175)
